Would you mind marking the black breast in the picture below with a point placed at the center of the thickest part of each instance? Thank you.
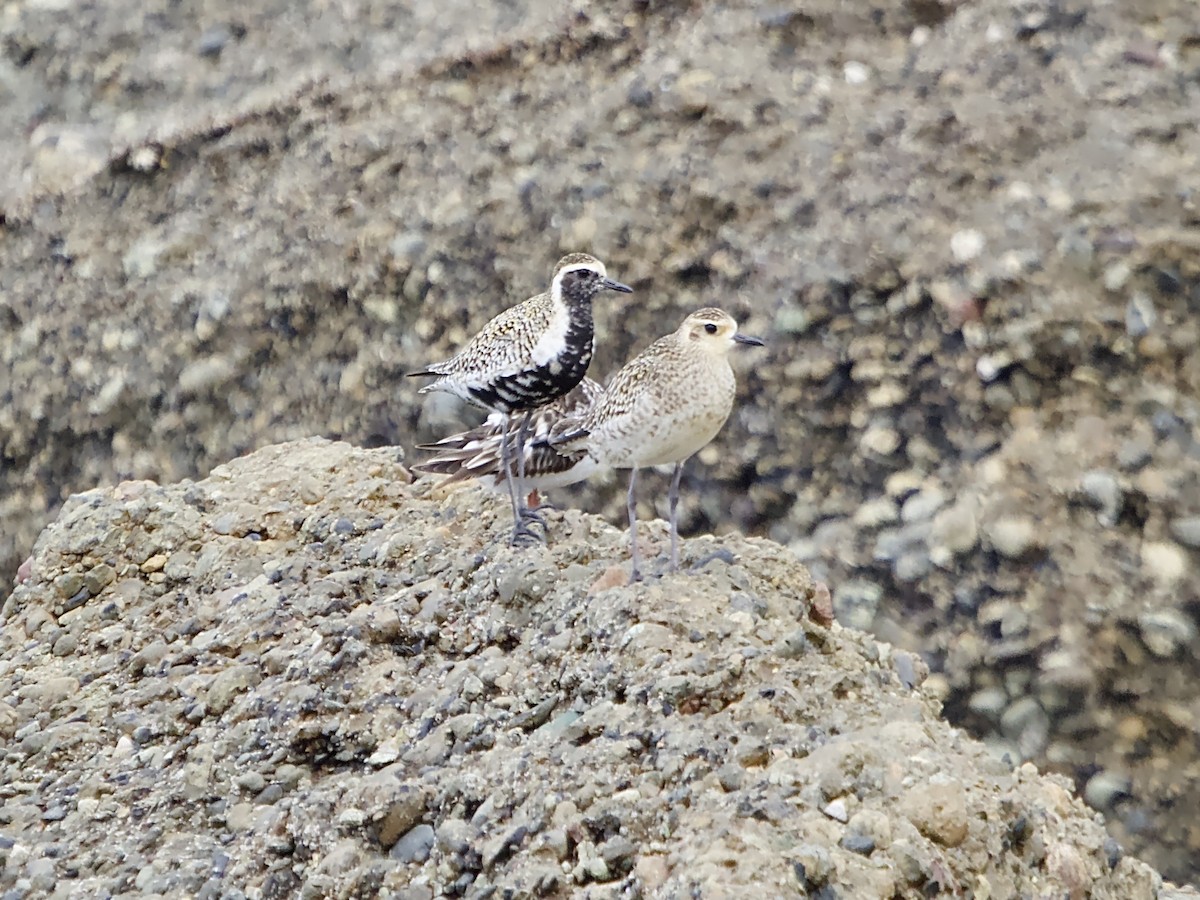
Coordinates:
(539, 385)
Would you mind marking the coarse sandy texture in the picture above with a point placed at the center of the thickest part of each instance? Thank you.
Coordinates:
(968, 230)
(302, 677)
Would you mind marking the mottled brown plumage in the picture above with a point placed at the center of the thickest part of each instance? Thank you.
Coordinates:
(476, 453)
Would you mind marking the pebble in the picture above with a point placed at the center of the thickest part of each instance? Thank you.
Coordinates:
(1105, 788)
(1012, 537)
(1140, 315)
(836, 809)
(938, 810)
(1186, 530)
(859, 843)
(856, 603)
(1104, 493)
(967, 245)
(1166, 632)
(989, 702)
(1164, 562)
(922, 505)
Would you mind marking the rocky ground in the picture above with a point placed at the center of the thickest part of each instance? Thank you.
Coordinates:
(303, 677)
(967, 229)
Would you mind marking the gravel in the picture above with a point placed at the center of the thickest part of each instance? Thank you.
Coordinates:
(538, 732)
(960, 226)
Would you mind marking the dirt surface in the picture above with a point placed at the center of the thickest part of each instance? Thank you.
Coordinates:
(968, 230)
(301, 677)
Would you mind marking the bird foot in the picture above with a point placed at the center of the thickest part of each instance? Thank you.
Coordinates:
(523, 535)
(528, 515)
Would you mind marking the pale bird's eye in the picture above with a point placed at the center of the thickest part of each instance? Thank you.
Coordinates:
(710, 328)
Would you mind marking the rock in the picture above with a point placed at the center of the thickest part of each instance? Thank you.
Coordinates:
(1186, 530)
(939, 810)
(1012, 537)
(855, 603)
(1164, 562)
(1166, 632)
(1105, 788)
(836, 809)
(414, 846)
(1104, 493)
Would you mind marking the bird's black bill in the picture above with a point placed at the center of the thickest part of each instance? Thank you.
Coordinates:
(617, 286)
(747, 340)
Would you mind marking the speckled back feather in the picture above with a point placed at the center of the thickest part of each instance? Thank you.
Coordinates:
(666, 403)
(476, 453)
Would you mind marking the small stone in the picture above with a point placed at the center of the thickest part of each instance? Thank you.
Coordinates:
(836, 809)
(856, 73)
(1116, 276)
(1105, 788)
(694, 89)
(858, 843)
(1140, 315)
(98, 578)
(1134, 454)
(966, 245)
(1165, 562)
(155, 563)
(989, 702)
(1104, 493)
(68, 584)
(414, 846)
(872, 824)
(911, 867)
(1012, 536)
(213, 40)
(922, 505)
(1166, 631)
(856, 602)
(227, 685)
(252, 782)
(813, 865)
(1186, 530)
(938, 810)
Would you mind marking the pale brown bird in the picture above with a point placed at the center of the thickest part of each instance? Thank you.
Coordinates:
(661, 408)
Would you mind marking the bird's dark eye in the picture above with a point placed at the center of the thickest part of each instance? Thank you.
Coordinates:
(710, 328)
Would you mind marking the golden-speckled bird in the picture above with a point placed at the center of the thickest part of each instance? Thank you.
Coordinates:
(526, 357)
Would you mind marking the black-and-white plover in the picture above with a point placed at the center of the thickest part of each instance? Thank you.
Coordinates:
(529, 355)
(661, 408)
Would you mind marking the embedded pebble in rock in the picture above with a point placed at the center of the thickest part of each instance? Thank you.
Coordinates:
(1165, 562)
(1166, 632)
(1186, 530)
(1104, 492)
(1012, 537)
(569, 739)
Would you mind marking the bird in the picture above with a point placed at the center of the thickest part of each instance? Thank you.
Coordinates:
(662, 407)
(476, 453)
(526, 357)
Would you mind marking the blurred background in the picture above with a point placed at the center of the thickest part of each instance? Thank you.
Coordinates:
(969, 232)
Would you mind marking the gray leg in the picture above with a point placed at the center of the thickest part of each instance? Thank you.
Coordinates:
(673, 503)
(506, 466)
(522, 437)
(631, 504)
(526, 516)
